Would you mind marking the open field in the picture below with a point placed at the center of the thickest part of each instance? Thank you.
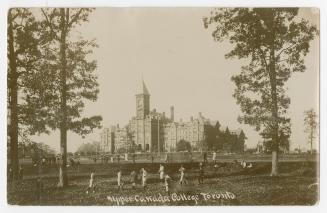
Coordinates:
(184, 157)
(296, 185)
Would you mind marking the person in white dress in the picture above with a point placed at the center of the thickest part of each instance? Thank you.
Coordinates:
(214, 155)
(91, 183)
(119, 179)
(161, 172)
(144, 177)
(243, 163)
(167, 184)
(182, 175)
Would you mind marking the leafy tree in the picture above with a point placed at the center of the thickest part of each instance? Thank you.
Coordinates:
(23, 54)
(183, 145)
(275, 42)
(311, 125)
(211, 137)
(66, 79)
(217, 126)
(227, 140)
(240, 142)
(284, 144)
(89, 148)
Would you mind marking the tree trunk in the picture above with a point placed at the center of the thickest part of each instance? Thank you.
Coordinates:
(311, 140)
(275, 138)
(63, 179)
(274, 110)
(13, 100)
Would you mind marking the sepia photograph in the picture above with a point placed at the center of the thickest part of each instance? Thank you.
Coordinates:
(163, 106)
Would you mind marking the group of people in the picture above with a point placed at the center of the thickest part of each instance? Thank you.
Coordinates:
(244, 164)
(164, 178)
(11, 173)
(113, 158)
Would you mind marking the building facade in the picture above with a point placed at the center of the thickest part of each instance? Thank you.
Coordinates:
(151, 131)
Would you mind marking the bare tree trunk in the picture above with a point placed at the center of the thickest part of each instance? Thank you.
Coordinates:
(275, 138)
(13, 100)
(273, 85)
(63, 179)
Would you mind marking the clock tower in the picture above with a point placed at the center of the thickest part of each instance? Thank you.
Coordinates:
(143, 102)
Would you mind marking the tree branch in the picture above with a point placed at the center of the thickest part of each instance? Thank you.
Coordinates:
(263, 56)
(286, 48)
(74, 18)
(50, 25)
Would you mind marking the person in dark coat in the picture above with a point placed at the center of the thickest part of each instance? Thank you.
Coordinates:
(201, 174)
(39, 188)
(21, 173)
(133, 179)
(205, 160)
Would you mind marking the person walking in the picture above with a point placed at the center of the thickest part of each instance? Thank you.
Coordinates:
(39, 188)
(167, 158)
(119, 180)
(91, 183)
(214, 155)
(118, 159)
(144, 178)
(205, 160)
(133, 179)
(161, 172)
(10, 175)
(21, 173)
(167, 184)
(201, 174)
(182, 175)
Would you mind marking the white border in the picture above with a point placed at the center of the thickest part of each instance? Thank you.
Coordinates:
(5, 4)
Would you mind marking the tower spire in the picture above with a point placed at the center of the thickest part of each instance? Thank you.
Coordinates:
(143, 89)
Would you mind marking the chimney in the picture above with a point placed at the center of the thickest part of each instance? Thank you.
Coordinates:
(172, 113)
(181, 120)
(191, 118)
(164, 115)
(117, 126)
(154, 110)
(200, 115)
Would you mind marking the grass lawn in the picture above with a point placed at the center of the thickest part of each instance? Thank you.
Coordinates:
(228, 185)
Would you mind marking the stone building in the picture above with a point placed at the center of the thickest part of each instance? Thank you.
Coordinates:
(152, 131)
(107, 142)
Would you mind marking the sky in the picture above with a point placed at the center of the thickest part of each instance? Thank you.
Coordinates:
(182, 66)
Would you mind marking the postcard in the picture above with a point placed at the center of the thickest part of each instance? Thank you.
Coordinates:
(163, 106)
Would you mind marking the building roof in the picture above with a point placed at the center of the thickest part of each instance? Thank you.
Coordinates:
(143, 89)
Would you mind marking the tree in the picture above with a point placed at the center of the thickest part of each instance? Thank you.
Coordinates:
(310, 124)
(183, 145)
(89, 147)
(227, 141)
(66, 79)
(284, 144)
(275, 42)
(241, 142)
(23, 54)
(211, 137)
